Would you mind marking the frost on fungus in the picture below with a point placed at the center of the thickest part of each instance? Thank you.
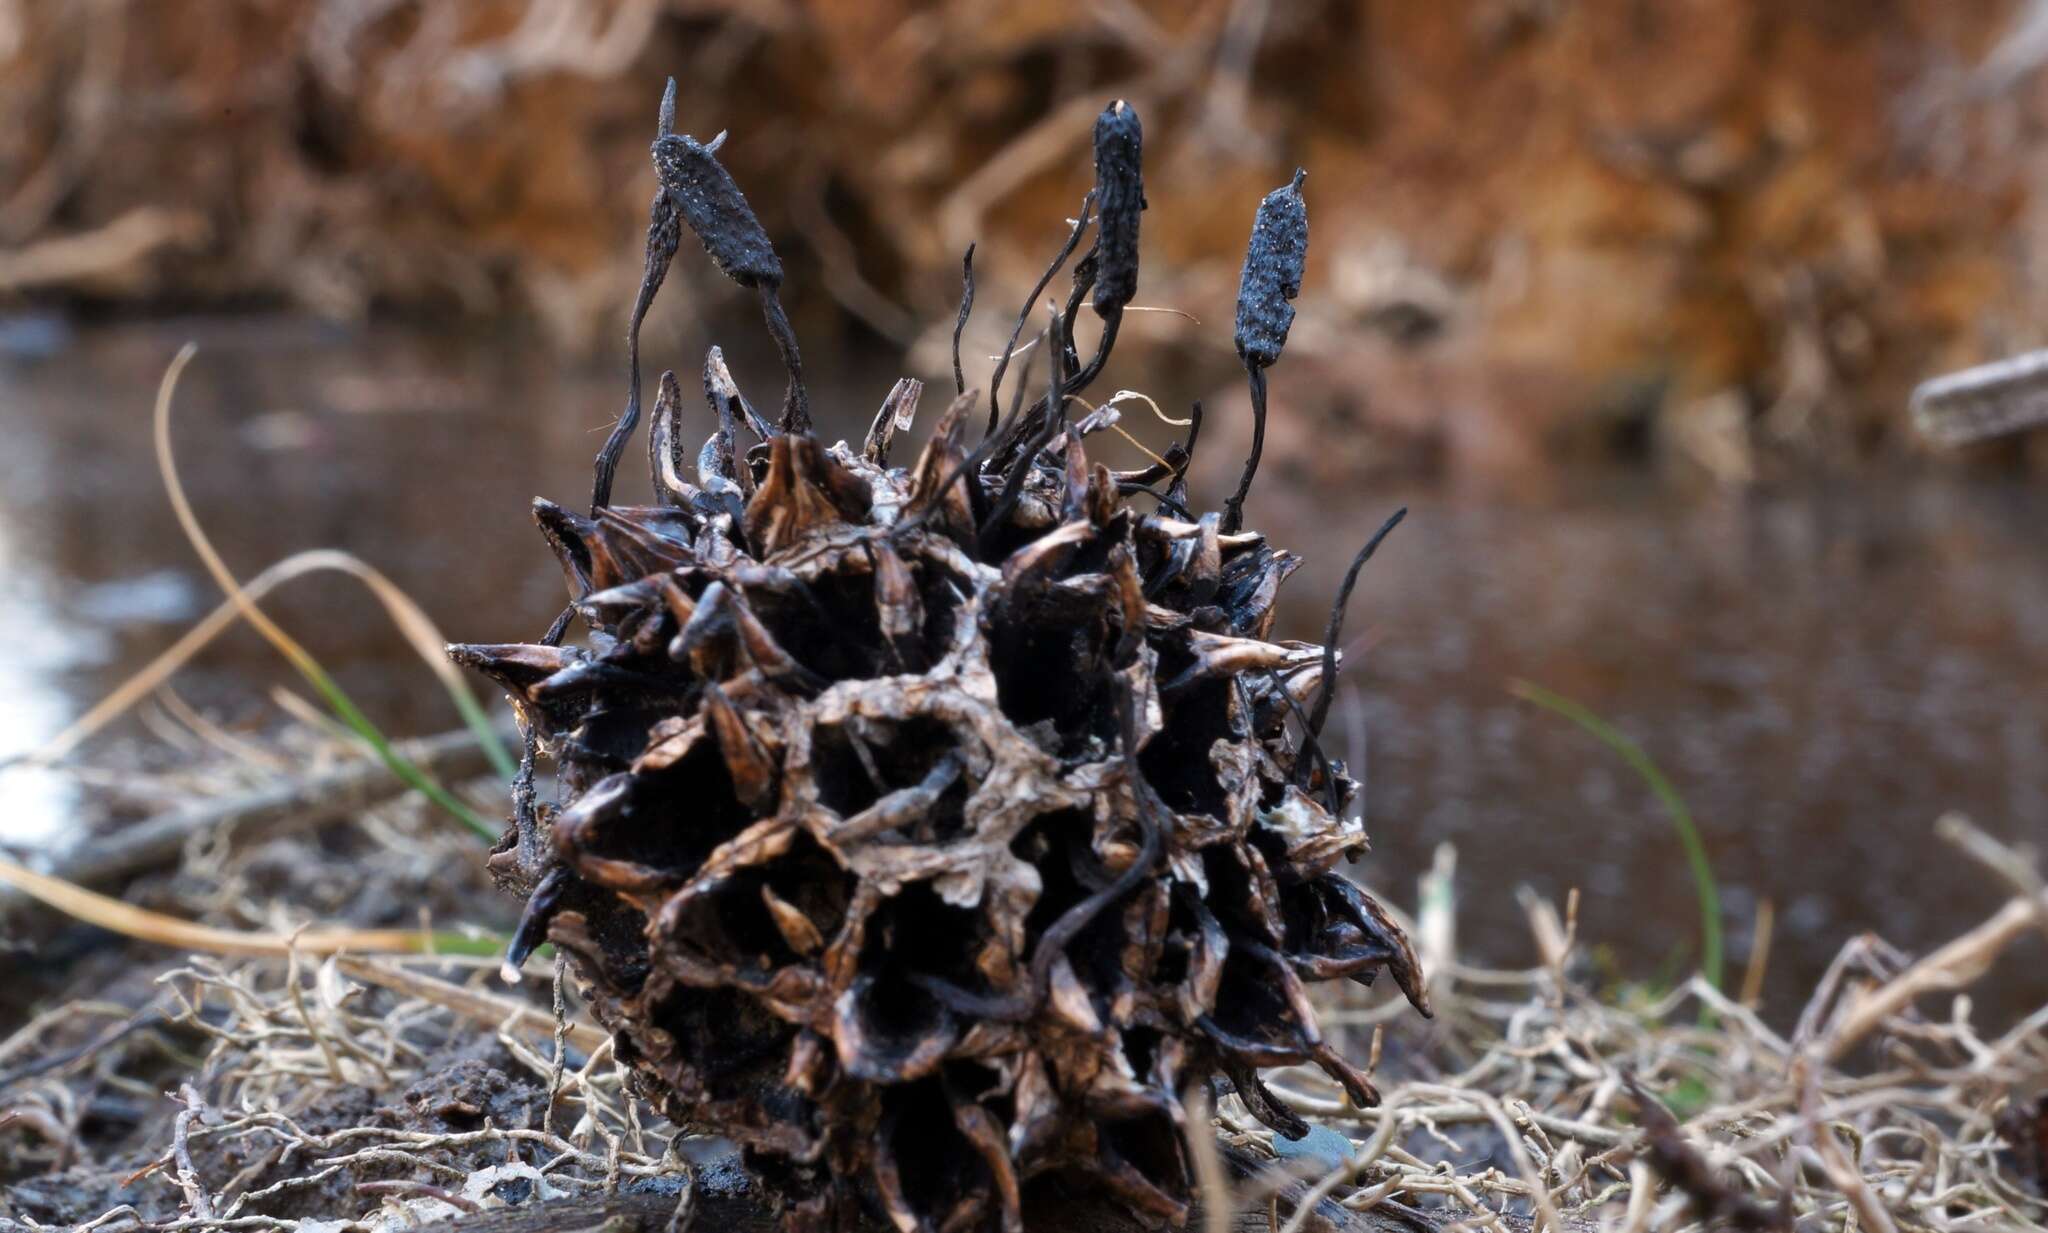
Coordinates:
(932, 829)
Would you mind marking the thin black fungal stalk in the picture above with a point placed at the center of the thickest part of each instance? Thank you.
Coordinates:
(983, 451)
(796, 404)
(1178, 489)
(1084, 282)
(1326, 687)
(1233, 508)
(966, 466)
(1166, 502)
(979, 456)
(1013, 426)
(1273, 264)
(995, 385)
(664, 236)
(1020, 467)
(960, 322)
(1311, 744)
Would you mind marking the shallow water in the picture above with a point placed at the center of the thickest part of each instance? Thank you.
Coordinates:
(1821, 673)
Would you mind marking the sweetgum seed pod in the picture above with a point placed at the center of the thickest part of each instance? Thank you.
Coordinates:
(1120, 198)
(806, 715)
(1272, 275)
(705, 194)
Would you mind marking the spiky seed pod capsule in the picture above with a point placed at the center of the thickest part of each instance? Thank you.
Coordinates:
(1119, 199)
(931, 830)
(1273, 265)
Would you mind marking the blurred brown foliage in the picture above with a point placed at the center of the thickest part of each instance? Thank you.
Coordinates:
(1738, 229)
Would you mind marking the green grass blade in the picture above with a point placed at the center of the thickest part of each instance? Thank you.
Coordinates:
(299, 657)
(487, 734)
(407, 771)
(1704, 885)
(482, 944)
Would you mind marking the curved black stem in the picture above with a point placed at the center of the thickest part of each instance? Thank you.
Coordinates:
(1129, 488)
(664, 233)
(1006, 435)
(1087, 375)
(1310, 744)
(1178, 489)
(1233, 509)
(960, 322)
(796, 407)
(1084, 375)
(1335, 631)
(1020, 467)
(995, 384)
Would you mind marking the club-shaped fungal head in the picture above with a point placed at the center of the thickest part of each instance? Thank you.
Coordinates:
(704, 193)
(1273, 265)
(1120, 199)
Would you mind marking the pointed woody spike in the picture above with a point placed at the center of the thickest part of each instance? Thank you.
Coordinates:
(938, 486)
(752, 770)
(664, 444)
(797, 929)
(725, 396)
(518, 666)
(540, 909)
(899, 611)
(803, 491)
(665, 123)
(605, 609)
(569, 535)
(897, 412)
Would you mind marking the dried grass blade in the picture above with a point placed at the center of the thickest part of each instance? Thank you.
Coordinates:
(297, 655)
(144, 925)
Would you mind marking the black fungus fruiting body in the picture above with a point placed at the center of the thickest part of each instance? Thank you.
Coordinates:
(1119, 200)
(931, 830)
(698, 188)
(1273, 264)
(704, 194)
